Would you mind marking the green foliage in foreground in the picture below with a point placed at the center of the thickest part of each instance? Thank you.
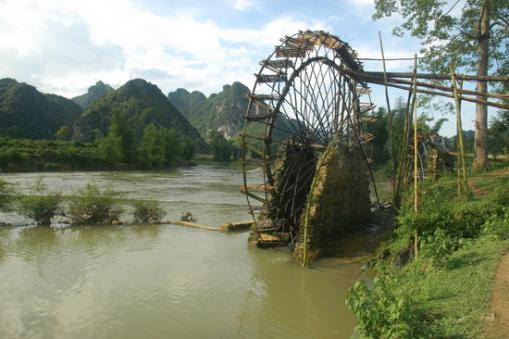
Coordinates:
(39, 205)
(384, 310)
(421, 300)
(445, 291)
(147, 212)
(91, 205)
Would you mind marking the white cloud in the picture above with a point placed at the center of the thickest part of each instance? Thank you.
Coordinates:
(362, 3)
(64, 46)
(244, 5)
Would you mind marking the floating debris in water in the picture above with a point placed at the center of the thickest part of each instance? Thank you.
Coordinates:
(188, 216)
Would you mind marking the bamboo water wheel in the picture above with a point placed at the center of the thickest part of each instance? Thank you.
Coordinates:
(304, 100)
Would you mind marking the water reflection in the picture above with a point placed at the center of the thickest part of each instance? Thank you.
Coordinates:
(285, 296)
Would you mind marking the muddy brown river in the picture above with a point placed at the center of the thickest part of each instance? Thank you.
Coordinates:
(162, 281)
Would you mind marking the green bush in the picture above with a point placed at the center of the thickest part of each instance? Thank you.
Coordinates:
(40, 205)
(385, 310)
(147, 212)
(438, 246)
(456, 217)
(110, 149)
(6, 196)
(92, 205)
(497, 226)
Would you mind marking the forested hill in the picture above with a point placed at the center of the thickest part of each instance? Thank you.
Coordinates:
(222, 112)
(26, 112)
(140, 103)
(94, 92)
(186, 102)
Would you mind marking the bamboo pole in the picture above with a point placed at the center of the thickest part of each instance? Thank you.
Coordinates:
(194, 225)
(463, 165)
(403, 151)
(386, 59)
(441, 76)
(423, 91)
(389, 119)
(462, 170)
(416, 164)
(440, 87)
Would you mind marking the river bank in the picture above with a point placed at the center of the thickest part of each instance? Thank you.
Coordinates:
(449, 288)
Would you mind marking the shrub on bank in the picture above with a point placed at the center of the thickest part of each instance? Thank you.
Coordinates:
(147, 212)
(444, 219)
(384, 310)
(40, 205)
(91, 205)
(6, 196)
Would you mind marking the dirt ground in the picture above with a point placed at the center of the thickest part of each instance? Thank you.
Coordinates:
(498, 320)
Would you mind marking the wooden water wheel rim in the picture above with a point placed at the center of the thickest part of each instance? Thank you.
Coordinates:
(306, 91)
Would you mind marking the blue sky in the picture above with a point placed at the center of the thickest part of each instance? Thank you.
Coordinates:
(64, 46)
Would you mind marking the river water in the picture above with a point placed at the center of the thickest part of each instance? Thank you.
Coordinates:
(162, 281)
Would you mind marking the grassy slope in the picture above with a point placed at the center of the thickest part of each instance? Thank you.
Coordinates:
(456, 296)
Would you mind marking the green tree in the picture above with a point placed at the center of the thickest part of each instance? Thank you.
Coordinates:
(187, 148)
(63, 133)
(122, 128)
(170, 139)
(472, 40)
(377, 126)
(222, 149)
(151, 151)
(499, 133)
(110, 149)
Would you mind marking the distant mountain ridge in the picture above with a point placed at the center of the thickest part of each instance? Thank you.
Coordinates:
(94, 92)
(35, 114)
(222, 112)
(142, 103)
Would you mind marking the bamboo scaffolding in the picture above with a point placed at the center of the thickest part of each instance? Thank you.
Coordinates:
(422, 91)
(443, 88)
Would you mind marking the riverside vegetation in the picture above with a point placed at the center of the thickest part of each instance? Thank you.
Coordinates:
(89, 205)
(443, 289)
